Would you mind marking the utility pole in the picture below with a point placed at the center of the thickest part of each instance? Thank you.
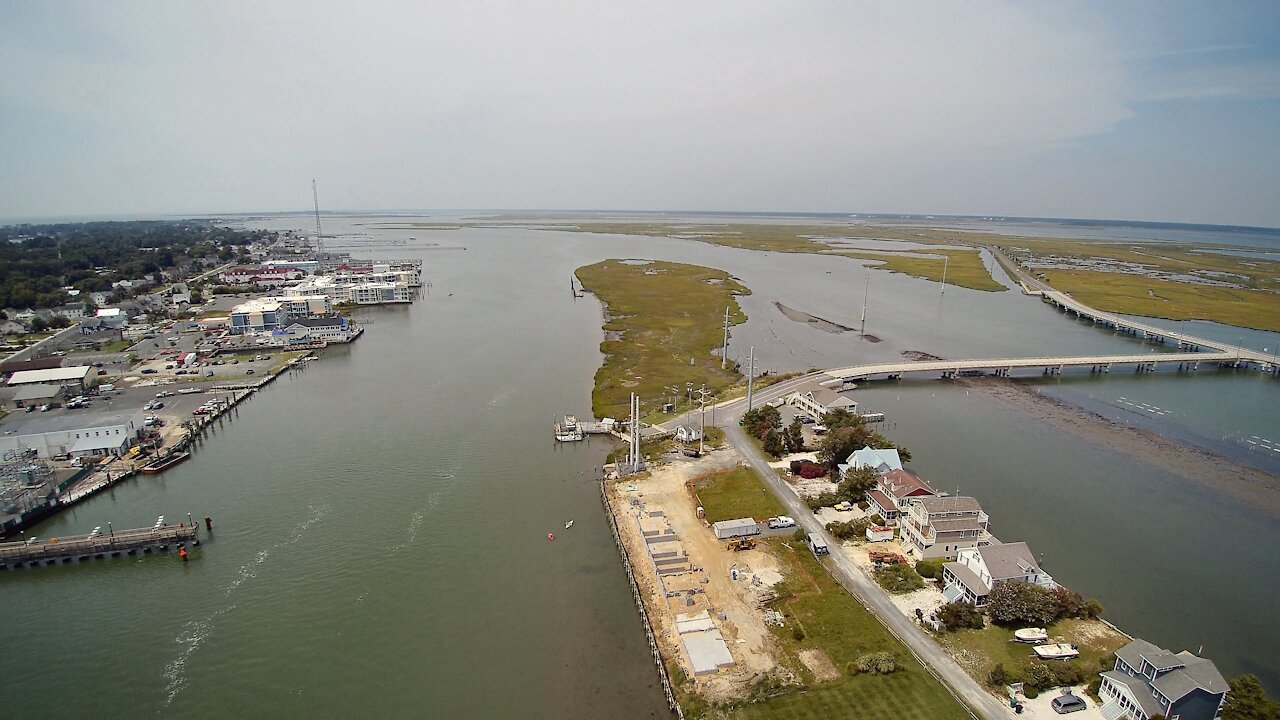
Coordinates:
(724, 350)
(945, 260)
(751, 375)
(866, 291)
(702, 418)
(315, 195)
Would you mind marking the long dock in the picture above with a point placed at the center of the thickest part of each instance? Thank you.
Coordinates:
(97, 544)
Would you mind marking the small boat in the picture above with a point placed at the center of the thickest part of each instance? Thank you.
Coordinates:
(568, 525)
(1056, 651)
(159, 465)
(1031, 635)
(568, 430)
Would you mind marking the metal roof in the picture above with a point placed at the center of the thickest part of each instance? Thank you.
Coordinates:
(25, 377)
(736, 523)
(109, 442)
(36, 392)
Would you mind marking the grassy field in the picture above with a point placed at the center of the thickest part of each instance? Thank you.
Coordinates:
(663, 322)
(1152, 297)
(736, 493)
(982, 650)
(835, 624)
(1112, 275)
(964, 268)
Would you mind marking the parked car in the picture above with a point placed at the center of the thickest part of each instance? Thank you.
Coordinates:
(208, 373)
(164, 393)
(1067, 703)
(249, 371)
(156, 405)
(148, 371)
(102, 372)
(31, 408)
(46, 407)
(781, 521)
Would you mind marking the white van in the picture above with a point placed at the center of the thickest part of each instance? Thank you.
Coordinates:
(818, 545)
(107, 388)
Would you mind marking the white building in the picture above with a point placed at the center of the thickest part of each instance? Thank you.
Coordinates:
(976, 571)
(380, 293)
(815, 400)
(113, 318)
(76, 434)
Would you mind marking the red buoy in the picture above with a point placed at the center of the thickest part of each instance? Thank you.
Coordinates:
(550, 536)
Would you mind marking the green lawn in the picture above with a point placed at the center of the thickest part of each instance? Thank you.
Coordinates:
(737, 493)
(985, 648)
(664, 320)
(835, 623)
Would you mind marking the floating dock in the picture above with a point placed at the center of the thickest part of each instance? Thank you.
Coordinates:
(97, 544)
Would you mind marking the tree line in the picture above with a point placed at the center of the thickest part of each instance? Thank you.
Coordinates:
(38, 261)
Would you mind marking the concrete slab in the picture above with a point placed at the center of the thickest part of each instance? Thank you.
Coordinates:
(707, 651)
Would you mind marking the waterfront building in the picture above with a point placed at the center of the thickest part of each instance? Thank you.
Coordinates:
(894, 490)
(940, 527)
(1149, 681)
(113, 318)
(327, 329)
(304, 306)
(816, 400)
(379, 293)
(76, 434)
(977, 570)
(262, 315)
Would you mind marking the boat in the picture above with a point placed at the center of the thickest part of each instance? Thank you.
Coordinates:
(568, 525)
(1056, 651)
(568, 430)
(1031, 635)
(159, 465)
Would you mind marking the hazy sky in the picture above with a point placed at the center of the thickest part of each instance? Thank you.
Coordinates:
(1132, 110)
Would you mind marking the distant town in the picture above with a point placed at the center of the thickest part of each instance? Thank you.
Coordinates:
(112, 374)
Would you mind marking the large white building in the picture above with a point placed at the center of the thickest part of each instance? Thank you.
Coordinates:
(76, 434)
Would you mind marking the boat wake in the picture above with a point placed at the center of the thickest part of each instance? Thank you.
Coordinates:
(195, 632)
(415, 522)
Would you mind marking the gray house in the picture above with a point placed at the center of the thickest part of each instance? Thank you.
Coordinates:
(1150, 681)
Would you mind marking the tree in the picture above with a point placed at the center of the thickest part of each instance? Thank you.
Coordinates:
(794, 437)
(1248, 701)
(857, 482)
(998, 677)
(1017, 602)
(759, 421)
(839, 444)
(877, 663)
(772, 442)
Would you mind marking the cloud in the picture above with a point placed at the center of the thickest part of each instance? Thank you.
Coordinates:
(711, 105)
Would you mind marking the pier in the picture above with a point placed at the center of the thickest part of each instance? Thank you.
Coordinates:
(97, 544)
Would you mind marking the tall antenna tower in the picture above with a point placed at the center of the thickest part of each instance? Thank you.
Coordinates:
(315, 195)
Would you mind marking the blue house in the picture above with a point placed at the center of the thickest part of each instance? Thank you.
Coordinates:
(1150, 681)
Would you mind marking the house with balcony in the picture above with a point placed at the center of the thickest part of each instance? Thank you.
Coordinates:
(977, 570)
(940, 527)
(894, 491)
(815, 400)
(1150, 681)
(262, 315)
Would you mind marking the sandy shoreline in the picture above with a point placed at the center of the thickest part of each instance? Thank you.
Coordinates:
(1245, 483)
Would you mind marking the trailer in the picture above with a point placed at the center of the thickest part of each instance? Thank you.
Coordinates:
(740, 527)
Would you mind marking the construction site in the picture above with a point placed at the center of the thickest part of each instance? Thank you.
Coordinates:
(705, 598)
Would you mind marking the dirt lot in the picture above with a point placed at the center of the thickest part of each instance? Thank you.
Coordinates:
(735, 606)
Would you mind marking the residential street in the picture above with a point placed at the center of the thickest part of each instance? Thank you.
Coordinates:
(847, 574)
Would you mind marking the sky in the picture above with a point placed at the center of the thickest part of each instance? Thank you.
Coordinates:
(1162, 111)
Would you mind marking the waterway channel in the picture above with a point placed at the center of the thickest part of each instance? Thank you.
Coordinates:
(380, 518)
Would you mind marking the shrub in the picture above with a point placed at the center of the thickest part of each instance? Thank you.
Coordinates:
(849, 530)
(1030, 692)
(998, 678)
(800, 535)
(798, 633)
(810, 470)
(877, 663)
(1092, 609)
(957, 615)
(930, 568)
(899, 578)
(821, 501)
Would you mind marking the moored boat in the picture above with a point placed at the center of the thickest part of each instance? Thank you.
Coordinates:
(159, 465)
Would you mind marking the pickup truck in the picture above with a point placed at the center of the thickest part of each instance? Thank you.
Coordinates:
(781, 521)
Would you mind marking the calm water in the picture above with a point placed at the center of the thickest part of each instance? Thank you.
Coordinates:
(381, 516)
